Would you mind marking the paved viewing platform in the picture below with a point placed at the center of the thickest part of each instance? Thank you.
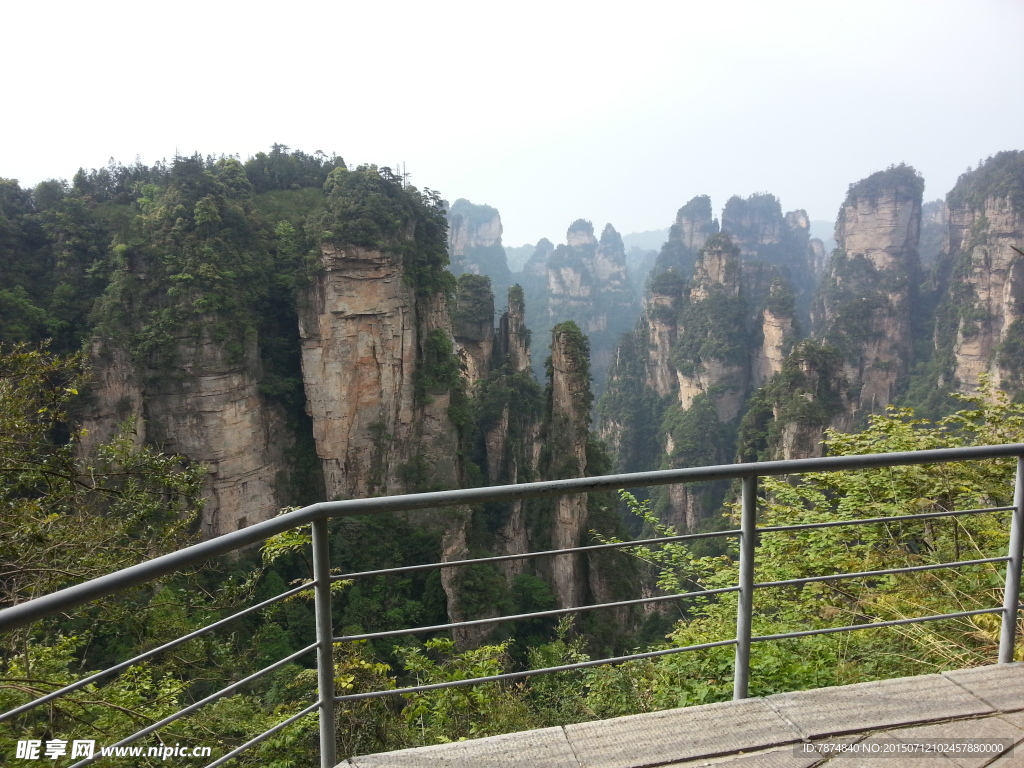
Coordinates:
(773, 732)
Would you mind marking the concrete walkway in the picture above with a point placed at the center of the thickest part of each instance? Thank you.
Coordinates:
(774, 732)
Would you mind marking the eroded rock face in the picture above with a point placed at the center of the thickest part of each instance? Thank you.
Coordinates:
(569, 433)
(817, 255)
(474, 244)
(981, 244)
(513, 344)
(362, 329)
(206, 407)
(118, 397)
(884, 228)
(867, 299)
(473, 326)
(572, 280)
(754, 222)
(777, 337)
(587, 283)
(503, 465)
(694, 224)
(471, 226)
(725, 380)
(660, 316)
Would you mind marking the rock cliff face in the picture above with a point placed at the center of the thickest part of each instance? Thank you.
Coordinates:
(778, 334)
(862, 355)
(773, 246)
(534, 281)
(694, 224)
(513, 342)
(716, 366)
(981, 322)
(712, 327)
(366, 337)
(474, 243)
(934, 232)
(473, 326)
(680, 382)
(868, 293)
(568, 432)
(571, 282)
(208, 408)
(786, 418)
(661, 329)
(587, 283)
(755, 224)
(818, 256)
(512, 443)
(176, 344)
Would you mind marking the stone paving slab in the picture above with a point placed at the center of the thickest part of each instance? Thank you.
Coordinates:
(980, 728)
(862, 760)
(1001, 685)
(673, 735)
(1016, 759)
(543, 747)
(762, 733)
(1017, 718)
(781, 757)
(880, 704)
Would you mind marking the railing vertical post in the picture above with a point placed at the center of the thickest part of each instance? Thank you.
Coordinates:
(745, 607)
(1011, 594)
(325, 640)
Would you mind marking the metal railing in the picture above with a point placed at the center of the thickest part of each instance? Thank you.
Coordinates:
(318, 515)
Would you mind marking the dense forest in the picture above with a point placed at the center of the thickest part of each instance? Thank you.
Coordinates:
(190, 347)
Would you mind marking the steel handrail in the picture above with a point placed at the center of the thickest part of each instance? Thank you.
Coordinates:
(71, 597)
(154, 651)
(317, 515)
(530, 555)
(535, 614)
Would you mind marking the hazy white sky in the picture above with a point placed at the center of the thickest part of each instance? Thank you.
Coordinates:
(549, 111)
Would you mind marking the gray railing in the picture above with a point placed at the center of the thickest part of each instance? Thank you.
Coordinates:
(318, 516)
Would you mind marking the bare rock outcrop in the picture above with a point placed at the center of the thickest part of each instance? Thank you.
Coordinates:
(207, 407)
(365, 335)
(985, 304)
(474, 243)
(778, 334)
(867, 293)
(473, 325)
(587, 283)
(568, 431)
(694, 224)
(712, 326)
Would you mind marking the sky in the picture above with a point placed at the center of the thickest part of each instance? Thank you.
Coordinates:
(548, 111)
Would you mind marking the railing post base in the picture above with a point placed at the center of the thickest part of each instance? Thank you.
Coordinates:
(325, 641)
(1011, 592)
(745, 606)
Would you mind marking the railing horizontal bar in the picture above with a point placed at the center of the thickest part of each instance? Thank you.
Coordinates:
(201, 703)
(910, 569)
(527, 555)
(65, 599)
(263, 736)
(530, 672)
(152, 652)
(536, 615)
(867, 520)
(896, 622)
